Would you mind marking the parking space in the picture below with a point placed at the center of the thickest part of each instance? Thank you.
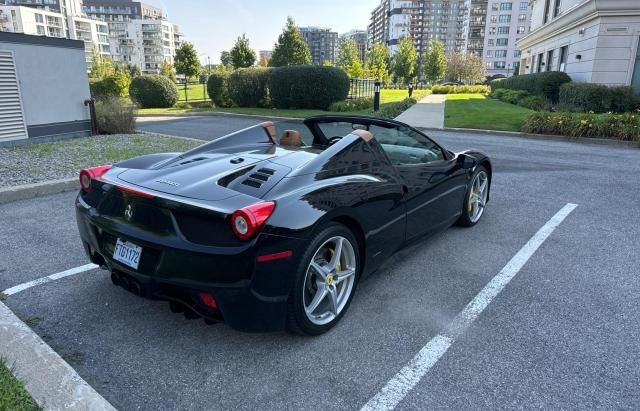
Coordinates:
(562, 334)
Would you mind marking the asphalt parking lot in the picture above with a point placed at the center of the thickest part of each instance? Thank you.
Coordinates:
(563, 333)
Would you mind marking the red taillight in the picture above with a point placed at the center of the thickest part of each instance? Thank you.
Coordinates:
(89, 174)
(248, 220)
(208, 300)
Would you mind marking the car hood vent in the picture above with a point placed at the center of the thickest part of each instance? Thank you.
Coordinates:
(258, 178)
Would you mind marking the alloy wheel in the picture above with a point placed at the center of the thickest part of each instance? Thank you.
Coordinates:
(478, 196)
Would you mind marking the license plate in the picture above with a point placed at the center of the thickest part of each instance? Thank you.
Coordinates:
(127, 253)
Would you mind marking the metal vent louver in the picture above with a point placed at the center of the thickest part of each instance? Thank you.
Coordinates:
(259, 177)
(12, 125)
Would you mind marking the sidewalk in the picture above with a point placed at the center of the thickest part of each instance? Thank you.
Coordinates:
(427, 113)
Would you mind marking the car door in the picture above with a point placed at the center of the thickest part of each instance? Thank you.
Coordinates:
(433, 182)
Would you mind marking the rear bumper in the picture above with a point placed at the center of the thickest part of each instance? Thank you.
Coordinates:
(250, 296)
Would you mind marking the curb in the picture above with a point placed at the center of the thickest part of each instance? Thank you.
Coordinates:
(583, 140)
(219, 113)
(52, 383)
(44, 188)
(151, 133)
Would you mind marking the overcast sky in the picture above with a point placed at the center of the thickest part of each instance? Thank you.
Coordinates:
(213, 25)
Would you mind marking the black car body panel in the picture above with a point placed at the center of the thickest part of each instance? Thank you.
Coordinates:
(182, 218)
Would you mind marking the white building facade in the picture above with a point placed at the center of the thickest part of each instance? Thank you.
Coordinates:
(146, 44)
(507, 22)
(595, 41)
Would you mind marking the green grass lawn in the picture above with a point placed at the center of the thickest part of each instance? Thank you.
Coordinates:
(479, 111)
(194, 92)
(13, 396)
(386, 97)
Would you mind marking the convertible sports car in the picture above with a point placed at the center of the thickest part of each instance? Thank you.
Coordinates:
(267, 233)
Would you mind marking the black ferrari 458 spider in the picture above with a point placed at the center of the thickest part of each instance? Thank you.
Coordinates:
(267, 233)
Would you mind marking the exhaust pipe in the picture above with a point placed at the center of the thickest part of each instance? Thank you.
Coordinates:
(135, 288)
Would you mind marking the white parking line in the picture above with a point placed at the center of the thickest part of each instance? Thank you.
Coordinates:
(408, 377)
(49, 278)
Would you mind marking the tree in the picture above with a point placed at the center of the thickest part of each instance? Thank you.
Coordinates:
(186, 61)
(404, 62)
(465, 68)
(377, 62)
(291, 49)
(327, 63)
(225, 58)
(132, 69)
(241, 54)
(167, 70)
(435, 62)
(349, 59)
(101, 66)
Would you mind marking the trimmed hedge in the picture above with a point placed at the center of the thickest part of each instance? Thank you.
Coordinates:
(616, 126)
(248, 87)
(393, 110)
(521, 98)
(218, 89)
(460, 89)
(153, 91)
(584, 97)
(308, 86)
(545, 84)
(352, 105)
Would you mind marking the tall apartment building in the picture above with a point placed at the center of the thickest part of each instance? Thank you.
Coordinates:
(360, 37)
(55, 18)
(322, 42)
(424, 20)
(592, 41)
(140, 34)
(507, 23)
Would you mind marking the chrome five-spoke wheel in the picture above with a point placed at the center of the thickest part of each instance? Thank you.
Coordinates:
(478, 196)
(329, 280)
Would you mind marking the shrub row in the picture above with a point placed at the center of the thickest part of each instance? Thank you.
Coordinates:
(117, 85)
(153, 91)
(545, 84)
(352, 105)
(280, 87)
(393, 110)
(480, 89)
(617, 126)
(114, 116)
(585, 97)
(521, 98)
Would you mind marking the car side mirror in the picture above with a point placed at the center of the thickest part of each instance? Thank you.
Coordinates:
(466, 162)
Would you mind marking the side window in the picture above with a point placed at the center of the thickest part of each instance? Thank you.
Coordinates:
(404, 146)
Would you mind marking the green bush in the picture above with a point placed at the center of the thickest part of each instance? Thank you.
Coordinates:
(153, 91)
(514, 96)
(308, 86)
(536, 103)
(393, 110)
(116, 85)
(478, 89)
(616, 126)
(114, 116)
(545, 84)
(248, 87)
(218, 89)
(584, 97)
(355, 104)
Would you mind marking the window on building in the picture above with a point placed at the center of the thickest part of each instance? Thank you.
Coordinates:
(40, 30)
(522, 17)
(500, 53)
(503, 30)
(547, 4)
(505, 18)
(564, 54)
(549, 60)
(495, 6)
(39, 18)
(500, 65)
(521, 29)
(489, 53)
(491, 42)
(502, 42)
(493, 30)
(556, 8)
(540, 62)
(524, 5)
(517, 53)
(506, 6)
(494, 18)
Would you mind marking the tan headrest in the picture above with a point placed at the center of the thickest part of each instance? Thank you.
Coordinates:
(271, 129)
(291, 138)
(363, 134)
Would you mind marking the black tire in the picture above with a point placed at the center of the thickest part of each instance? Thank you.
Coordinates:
(465, 218)
(297, 320)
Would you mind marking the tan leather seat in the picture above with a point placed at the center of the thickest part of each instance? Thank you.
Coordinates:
(291, 138)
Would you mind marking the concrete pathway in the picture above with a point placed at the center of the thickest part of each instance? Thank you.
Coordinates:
(428, 112)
